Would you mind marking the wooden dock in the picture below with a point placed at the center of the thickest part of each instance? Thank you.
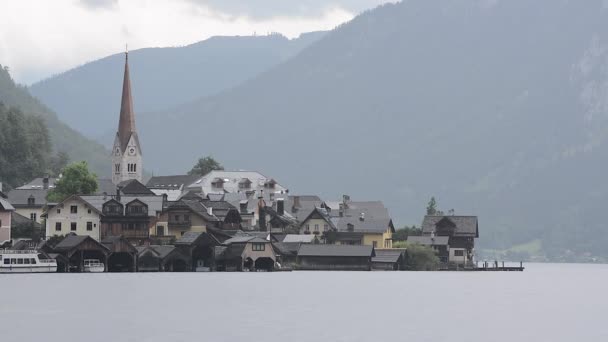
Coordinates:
(496, 267)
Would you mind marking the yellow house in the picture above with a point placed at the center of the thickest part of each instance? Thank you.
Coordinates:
(181, 217)
(317, 223)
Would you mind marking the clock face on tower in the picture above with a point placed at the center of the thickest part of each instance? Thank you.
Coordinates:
(131, 150)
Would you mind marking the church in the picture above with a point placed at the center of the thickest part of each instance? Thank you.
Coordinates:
(127, 162)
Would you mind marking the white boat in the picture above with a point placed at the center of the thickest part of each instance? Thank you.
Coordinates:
(93, 266)
(26, 261)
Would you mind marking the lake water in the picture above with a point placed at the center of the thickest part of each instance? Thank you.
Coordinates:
(547, 302)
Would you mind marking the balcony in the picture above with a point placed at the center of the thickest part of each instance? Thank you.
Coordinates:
(180, 224)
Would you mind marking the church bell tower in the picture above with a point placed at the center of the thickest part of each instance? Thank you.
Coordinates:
(126, 154)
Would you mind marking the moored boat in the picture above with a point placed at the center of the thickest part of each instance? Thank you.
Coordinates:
(93, 266)
(26, 261)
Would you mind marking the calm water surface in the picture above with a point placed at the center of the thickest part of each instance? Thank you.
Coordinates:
(552, 302)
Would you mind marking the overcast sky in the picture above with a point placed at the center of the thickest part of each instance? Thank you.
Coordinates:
(39, 38)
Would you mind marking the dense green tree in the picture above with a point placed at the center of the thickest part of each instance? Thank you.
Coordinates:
(76, 179)
(420, 258)
(431, 208)
(204, 166)
(403, 233)
(24, 146)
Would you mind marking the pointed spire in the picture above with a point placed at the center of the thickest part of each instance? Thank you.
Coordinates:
(126, 125)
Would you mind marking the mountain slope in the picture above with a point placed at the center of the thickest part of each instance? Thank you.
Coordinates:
(62, 137)
(87, 97)
(497, 107)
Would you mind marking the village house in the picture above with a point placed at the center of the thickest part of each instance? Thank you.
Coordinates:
(78, 248)
(317, 223)
(245, 253)
(29, 200)
(6, 211)
(100, 216)
(360, 223)
(461, 232)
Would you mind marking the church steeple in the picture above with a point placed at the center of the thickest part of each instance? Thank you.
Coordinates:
(126, 125)
(126, 154)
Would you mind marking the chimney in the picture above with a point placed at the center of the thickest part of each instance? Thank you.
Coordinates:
(341, 210)
(118, 188)
(362, 217)
(280, 206)
(45, 182)
(164, 201)
(345, 200)
(296, 204)
(262, 213)
(243, 207)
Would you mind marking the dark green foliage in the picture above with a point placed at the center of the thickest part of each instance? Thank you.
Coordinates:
(420, 258)
(54, 240)
(26, 230)
(60, 137)
(24, 146)
(403, 233)
(76, 180)
(431, 208)
(204, 166)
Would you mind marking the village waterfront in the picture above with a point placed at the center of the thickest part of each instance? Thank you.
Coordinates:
(548, 302)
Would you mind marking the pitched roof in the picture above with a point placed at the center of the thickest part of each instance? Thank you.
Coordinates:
(429, 240)
(19, 197)
(286, 248)
(38, 183)
(336, 250)
(231, 180)
(134, 187)
(176, 182)
(5, 205)
(464, 225)
(71, 241)
(319, 212)
(387, 255)
(126, 124)
(154, 203)
(245, 239)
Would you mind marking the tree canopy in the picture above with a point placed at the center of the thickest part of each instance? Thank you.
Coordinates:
(76, 179)
(24, 147)
(204, 166)
(420, 258)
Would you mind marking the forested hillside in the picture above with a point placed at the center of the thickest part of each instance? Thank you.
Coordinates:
(498, 108)
(88, 97)
(42, 134)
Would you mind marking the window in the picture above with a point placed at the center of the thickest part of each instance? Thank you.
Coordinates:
(258, 247)
(182, 233)
(89, 226)
(307, 227)
(160, 230)
(117, 168)
(325, 227)
(375, 243)
(176, 218)
(316, 227)
(33, 261)
(89, 211)
(31, 201)
(459, 252)
(350, 227)
(387, 243)
(58, 211)
(13, 261)
(74, 209)
(57, 226)
(7, 261)
(73, 226)
(33, 216)
(26, 261)
(20, 261)
(134, 167)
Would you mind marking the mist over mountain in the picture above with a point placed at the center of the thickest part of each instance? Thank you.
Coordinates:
(88, 97)
(498, 108)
